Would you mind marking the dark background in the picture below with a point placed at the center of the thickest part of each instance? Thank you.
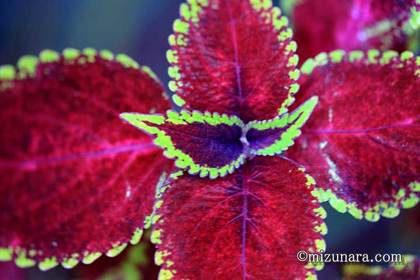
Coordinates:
(140, 28)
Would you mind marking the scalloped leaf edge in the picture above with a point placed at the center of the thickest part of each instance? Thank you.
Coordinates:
(182, 159)
(372, 56)
(161, 256)
(190, 14)
(26, 68)
(25, 258)
(296, 119)
(27, 64)
(375, 57)
(402, 200)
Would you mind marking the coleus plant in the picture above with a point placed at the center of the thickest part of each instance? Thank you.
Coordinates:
(230, 196)
(353, 24)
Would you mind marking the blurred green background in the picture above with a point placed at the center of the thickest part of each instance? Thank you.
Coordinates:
(140, 28)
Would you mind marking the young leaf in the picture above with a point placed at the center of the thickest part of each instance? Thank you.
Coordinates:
(362, 141)
(275, 136)
(326, 25)
(247, 225)
(205, 144)
(75, 181)
(234, 57)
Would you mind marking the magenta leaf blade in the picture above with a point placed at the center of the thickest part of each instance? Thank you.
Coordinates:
(362, 141)
(76, 182)
(233, 227)
(234, 57)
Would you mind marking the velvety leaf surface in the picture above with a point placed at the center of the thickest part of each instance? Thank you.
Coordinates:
(234, 57)
(247, 225)
(405, 271)
(75, 179)
(9, 271)
(326, 25)
(205, 144)
(362, 141)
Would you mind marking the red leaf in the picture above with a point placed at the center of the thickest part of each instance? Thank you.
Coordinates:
(233, 57)
(247, 225)
(74, 178)
(362, 140)
(326, 25)
(10, 271)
